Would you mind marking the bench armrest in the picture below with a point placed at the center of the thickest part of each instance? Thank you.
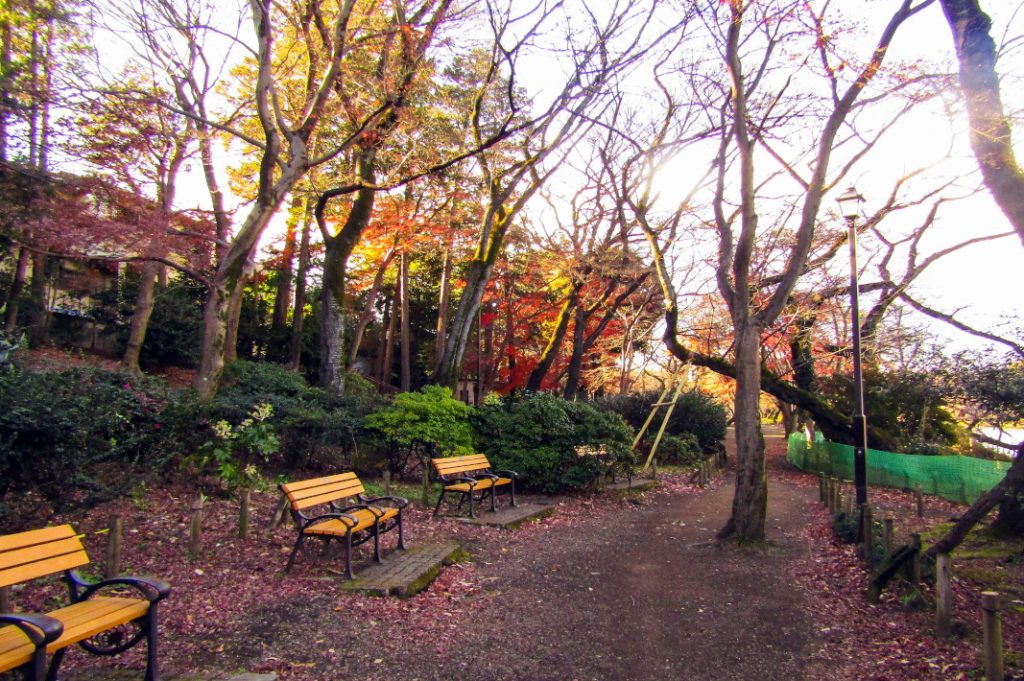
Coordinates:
(399, 502)
(153, 590)
(348, 520)
(462, 478)
(39, 629)
(508, 473)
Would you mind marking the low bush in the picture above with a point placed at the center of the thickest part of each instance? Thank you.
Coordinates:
(536, 435)
(80, 436)
(679, 450)
(695, 414)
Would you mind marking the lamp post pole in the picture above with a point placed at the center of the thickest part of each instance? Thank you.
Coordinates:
(850, 202)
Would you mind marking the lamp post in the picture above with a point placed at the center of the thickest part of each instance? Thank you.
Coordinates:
(850, 203)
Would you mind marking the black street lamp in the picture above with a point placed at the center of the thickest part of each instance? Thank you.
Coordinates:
(850, 203)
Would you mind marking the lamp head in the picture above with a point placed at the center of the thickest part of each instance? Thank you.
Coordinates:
(850, 203)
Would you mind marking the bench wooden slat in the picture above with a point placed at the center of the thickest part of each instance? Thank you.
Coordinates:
(23, 573)
(461, 464)
(88, 618)
(322, 490)
(20, 540)
(15, 648)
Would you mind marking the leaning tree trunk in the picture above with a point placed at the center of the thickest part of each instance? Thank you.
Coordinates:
(144, 301)
(750, 500)
(15, 289)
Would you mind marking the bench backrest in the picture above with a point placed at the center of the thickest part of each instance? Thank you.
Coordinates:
(38, 553)
(453, 465)
(306, 493)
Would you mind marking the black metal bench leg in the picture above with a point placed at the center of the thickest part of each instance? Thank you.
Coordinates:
(513, 492)
(36, 669)
(55, 664)
(152, 671)
(295, 551)
(348, 557)
(494, 499)
(440, 499)
(469, 494)
(376, 542)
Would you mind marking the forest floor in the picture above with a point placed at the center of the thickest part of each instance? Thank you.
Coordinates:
(607, 588)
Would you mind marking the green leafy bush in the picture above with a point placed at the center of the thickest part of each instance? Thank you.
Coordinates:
(78, 436)
(315, 428)
(426, 423)
(234, 450)
(536, 435)
(679, 450)
(695, 414)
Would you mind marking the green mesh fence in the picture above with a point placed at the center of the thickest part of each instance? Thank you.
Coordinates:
(957, 478)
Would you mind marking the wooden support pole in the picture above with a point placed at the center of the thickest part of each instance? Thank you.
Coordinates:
(887, 536)
(279, 512)
(848, 503)
(244, 496)
(991, 604)
(919, 494)
(195, 531)
(834, 503)
(943, 596)
(868, 532)
(821, 487)
(115, 539)
(915, 564)
(387, 483)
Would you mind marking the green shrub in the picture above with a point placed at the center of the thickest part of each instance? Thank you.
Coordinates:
(695, 413)
(536, 435)
(315, 428)
(78, 436)
(426, 423)
(233, 452)
(679, 450)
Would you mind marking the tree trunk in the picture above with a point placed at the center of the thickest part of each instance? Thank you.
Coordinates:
(385, 358)
(574, 371)
(144, 301)
(444, 300)
(367, 314)
(991, 138)
(405, 375)
(285, 278)
(15, 290)
(550, 354)
(299, 315)
(750, 501)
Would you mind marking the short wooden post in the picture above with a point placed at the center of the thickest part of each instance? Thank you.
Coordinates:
(243, 512)
(115, 538)
(887, 536)
(195, 532)
(943, 596)
(848, 502)
(425, 493)
(387, 483)
(834, 504)
(279, 512)
(915, 564)
(919, 494)
(821, 487)
(868, 531)
(5, 599)
(991, 604)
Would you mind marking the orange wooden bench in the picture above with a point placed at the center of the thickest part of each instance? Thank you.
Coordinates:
(468, 475)
(101, 624)
(349, 516)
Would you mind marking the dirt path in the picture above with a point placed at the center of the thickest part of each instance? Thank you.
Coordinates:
(640, 594)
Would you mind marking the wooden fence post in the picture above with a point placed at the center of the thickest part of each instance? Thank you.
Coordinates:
(387, 482)
(821, 487)
(915, 564)
(943, 596)
(425, 492)
(869, 532)
(279, 512)
(887, 536)
(115, 538)
(991, 604)
(243, 513)
(848, 503)
(195, 532)
(919, 494)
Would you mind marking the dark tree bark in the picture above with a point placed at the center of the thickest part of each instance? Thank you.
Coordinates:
(15, 290)
(299, 315)
(991, 139)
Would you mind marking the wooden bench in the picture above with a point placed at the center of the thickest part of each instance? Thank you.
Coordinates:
(601, 455)
(349, 516)
(102, 625)
(467, 475)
